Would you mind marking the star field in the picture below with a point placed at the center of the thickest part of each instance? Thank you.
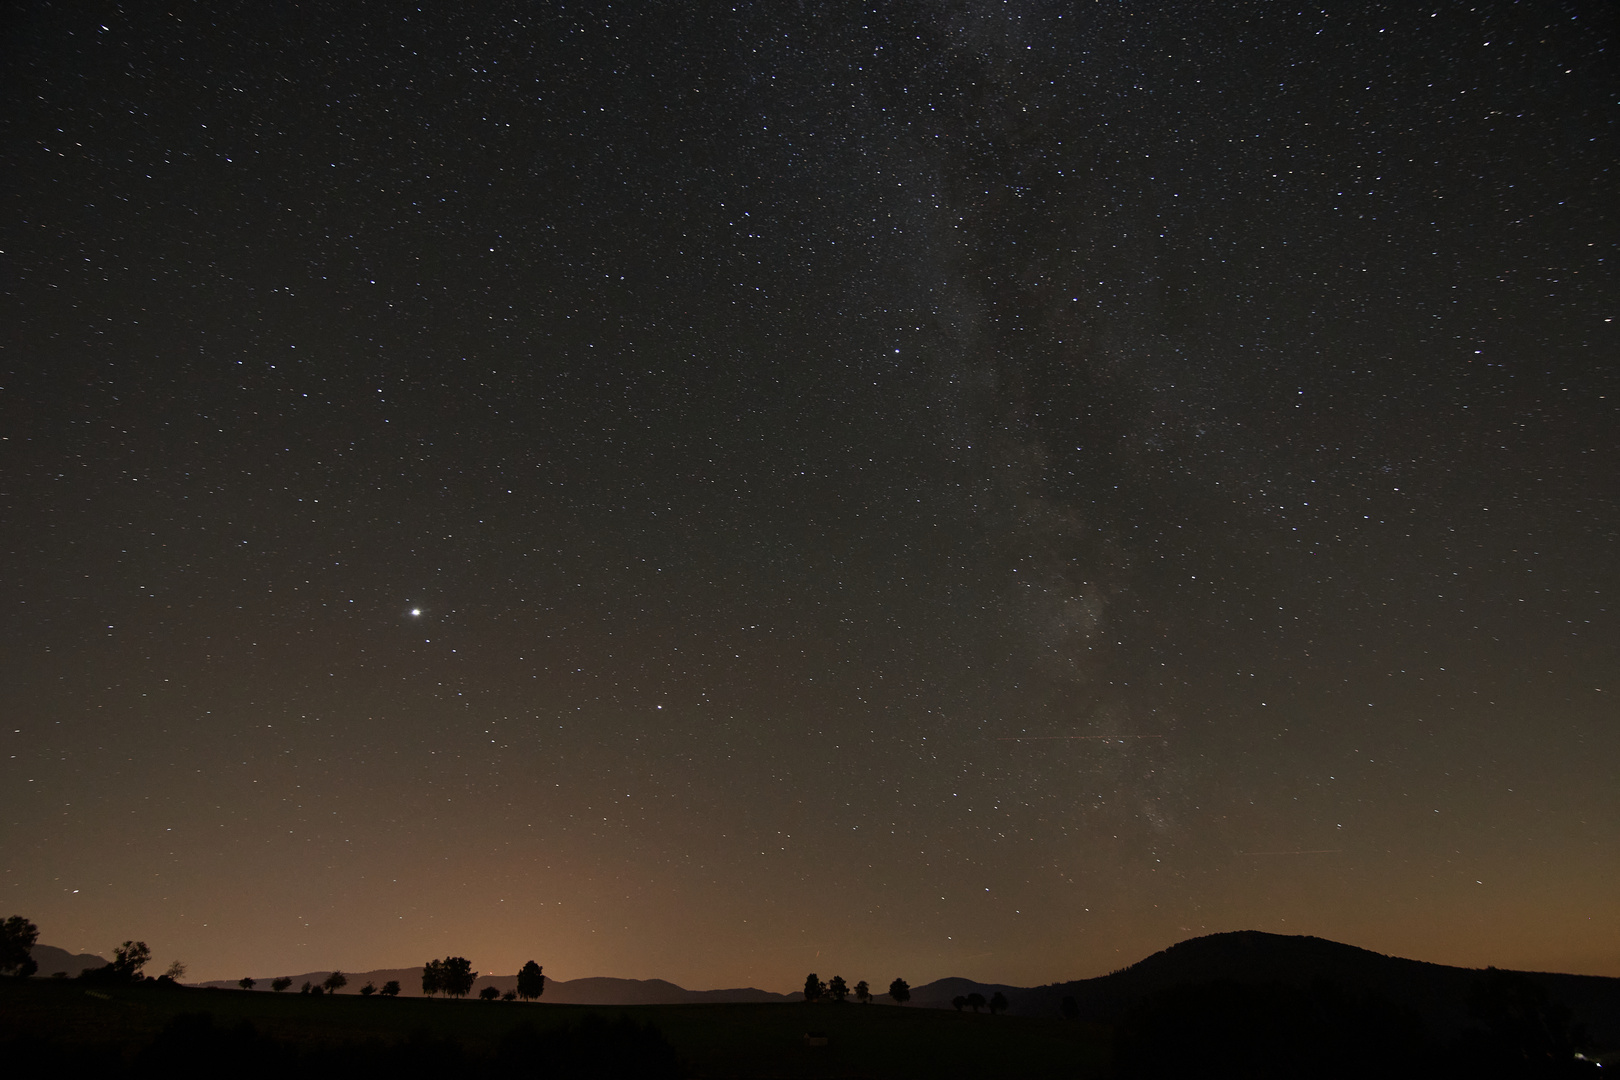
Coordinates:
(982, 489)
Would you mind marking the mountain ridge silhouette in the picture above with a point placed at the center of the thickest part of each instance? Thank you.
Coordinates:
(1438, 993)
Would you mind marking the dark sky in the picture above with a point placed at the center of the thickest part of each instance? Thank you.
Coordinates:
(719, 492)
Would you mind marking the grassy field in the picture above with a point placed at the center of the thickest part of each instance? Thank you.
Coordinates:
(718, 1041)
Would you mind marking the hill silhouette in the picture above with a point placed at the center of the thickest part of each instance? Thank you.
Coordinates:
(51, 960)
(940, 993)
(1437, 993)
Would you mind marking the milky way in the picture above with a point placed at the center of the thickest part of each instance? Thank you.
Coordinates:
(982, 489)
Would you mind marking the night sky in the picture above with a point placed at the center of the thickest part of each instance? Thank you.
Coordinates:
(721, 492)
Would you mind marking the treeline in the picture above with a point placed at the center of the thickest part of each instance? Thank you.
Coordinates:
(452, 976)
(836, 990)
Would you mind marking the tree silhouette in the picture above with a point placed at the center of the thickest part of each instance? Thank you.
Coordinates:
(900, 991)
(432, 977)
(278, 985)
(837, 989)
(531, 981)
(335, 982)
(489, 993)
(510, 995)
(246, 984)
(127, 961)
(975, 1001)
(458, 976)
(305, 988)
(129, 958)
(17, 939)
(390, 988)
(368, 989)
(176, 972)
(959, 1001)
(998, 1002)
(813, 987)
(863, 993)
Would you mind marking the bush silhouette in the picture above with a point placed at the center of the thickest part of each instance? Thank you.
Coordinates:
(489, 993)
(368, 989)
(245, 983)
(278, 985)
(390, 988)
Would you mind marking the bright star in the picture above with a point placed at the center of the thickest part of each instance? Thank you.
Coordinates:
(416, 611)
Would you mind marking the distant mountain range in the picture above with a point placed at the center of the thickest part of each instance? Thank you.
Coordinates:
(1436, 992)
(590, 991)
(52, 960)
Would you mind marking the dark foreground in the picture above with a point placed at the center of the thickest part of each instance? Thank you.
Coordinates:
(1206, 1030)
(57, 1026)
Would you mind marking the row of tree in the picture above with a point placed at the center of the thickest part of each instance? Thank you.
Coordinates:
(453, 977)
(835, 989)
